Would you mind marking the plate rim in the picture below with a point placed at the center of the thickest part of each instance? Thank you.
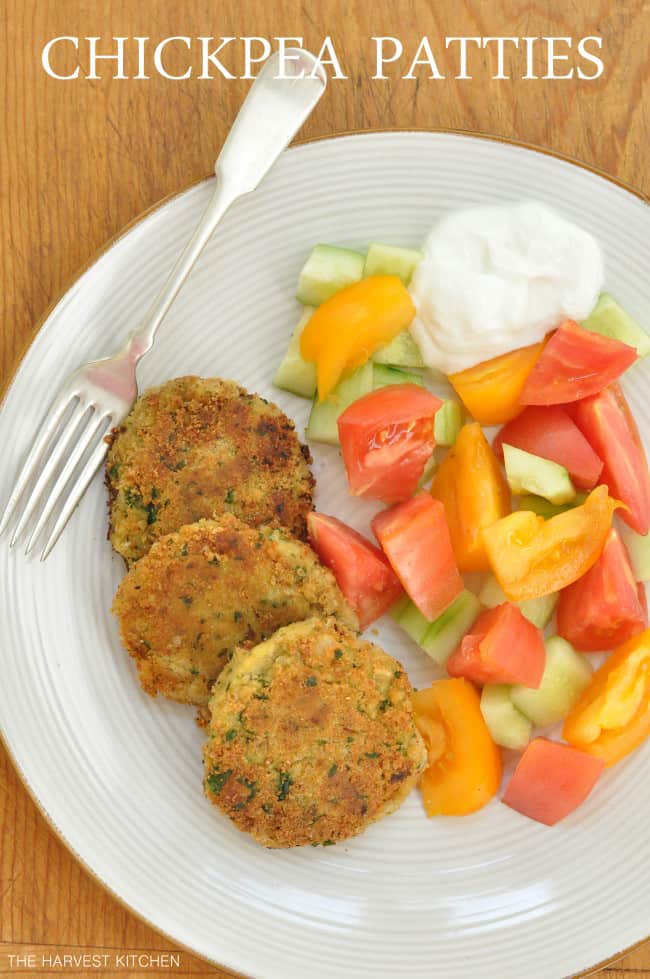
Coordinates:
(71, 281)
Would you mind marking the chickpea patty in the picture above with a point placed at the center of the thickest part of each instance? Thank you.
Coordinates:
(199, 447)
(311, 736)
(209, 587)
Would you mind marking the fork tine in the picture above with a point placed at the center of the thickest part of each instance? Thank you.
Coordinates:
(56, 491)
(76, 492)
(45, 433)
(53, 460)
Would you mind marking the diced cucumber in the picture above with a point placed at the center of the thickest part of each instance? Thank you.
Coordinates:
(566, 674)
(428, 471)
(528, 473)
(389, 260)
(322, 426)
(383, 376)
(609, 319)
(492, 594)
(638, 548)
(413, 622)
(537, 610)
(400, 606)
(506, 724)
(439, 637)
(327, 270)
(402, 351)
(295, 374)
(540, 610)
(542, 507)
(445, 632)
(448, 422)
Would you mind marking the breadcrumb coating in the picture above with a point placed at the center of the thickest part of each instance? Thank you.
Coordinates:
(311, 736)
(196, 448)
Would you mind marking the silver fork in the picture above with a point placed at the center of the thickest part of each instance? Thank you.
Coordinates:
(70, 446)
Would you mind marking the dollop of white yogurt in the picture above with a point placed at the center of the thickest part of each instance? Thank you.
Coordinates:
(497, 278)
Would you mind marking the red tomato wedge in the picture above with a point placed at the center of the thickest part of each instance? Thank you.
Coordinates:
(415, 538)
(574, 364)
(551, 780)
(549, 432)
(604, 608)
(363, 574)
(386, 440)
(503, 647)
(607, 423)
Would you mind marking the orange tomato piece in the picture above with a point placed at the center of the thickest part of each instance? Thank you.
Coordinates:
(464, 770)
(531, 556)
(474, 493)
(491, 391)
(351, 325)
(612, 717)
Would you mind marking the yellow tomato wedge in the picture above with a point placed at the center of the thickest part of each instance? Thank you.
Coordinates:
(347, 329)
(531, 556)
(490, 391)
(612, 717)
(464, 770)
(474, 493)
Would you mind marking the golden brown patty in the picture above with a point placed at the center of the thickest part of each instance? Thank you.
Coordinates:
(210, 587)
(197, 448)
(312, 736)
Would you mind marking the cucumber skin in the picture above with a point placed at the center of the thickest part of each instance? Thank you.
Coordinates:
(533, 474)
(566, 675)
(445, 633)
(327, 270)
(507, 725)
(402, 351)
(438, 637)
(414, 623)
(294, 373)
(383, 376)
(391, 260)
(610, 320)
(543, 508)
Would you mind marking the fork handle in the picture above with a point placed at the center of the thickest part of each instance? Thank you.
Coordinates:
(280, 99)
(141, 340)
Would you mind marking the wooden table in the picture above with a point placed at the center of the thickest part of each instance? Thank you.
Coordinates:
(79, 159)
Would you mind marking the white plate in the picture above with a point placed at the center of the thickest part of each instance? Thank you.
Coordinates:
(119, 775)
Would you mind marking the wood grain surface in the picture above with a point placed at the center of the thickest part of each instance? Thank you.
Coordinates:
(80, 159)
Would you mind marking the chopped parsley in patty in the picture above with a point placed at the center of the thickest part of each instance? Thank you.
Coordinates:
(328, 741)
